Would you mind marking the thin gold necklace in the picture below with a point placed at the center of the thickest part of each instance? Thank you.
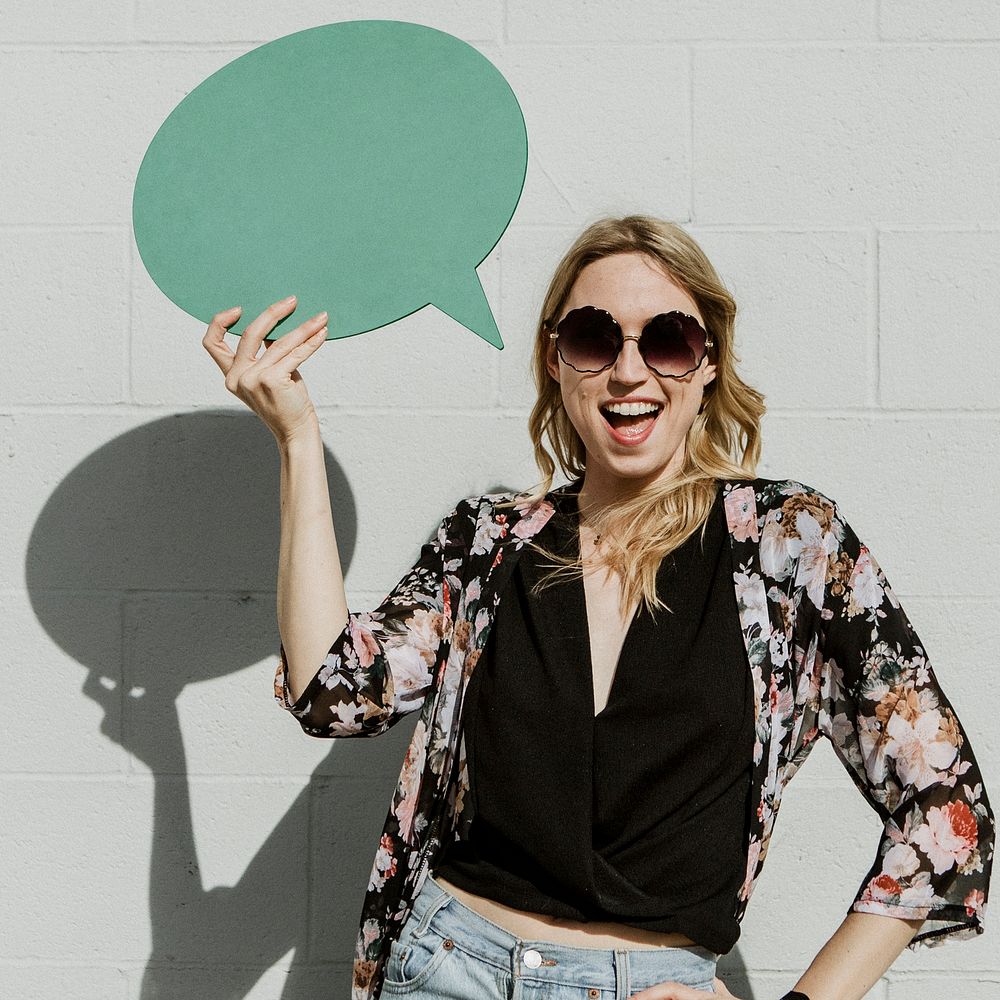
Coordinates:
(597, 539)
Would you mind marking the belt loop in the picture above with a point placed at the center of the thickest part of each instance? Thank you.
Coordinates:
(622, 976)
(442, 901)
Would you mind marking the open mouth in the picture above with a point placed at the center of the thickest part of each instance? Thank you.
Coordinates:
(631, 425)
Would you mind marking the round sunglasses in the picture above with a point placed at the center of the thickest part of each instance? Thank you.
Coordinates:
(589, 339)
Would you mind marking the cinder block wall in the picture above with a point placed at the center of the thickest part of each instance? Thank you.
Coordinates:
(167, 830)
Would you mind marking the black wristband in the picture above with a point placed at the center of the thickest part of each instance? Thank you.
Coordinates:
(794, 995)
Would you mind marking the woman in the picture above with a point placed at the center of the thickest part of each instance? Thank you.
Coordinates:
(592, 783)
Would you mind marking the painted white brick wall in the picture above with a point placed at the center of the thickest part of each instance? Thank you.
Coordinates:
(167, 830)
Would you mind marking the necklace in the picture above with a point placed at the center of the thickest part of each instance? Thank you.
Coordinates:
(597, 536)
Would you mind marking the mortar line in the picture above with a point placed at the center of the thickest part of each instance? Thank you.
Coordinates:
(692, 214)
(874, 239)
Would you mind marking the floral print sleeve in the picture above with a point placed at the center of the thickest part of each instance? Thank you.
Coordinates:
(381, 666)
(897, 734)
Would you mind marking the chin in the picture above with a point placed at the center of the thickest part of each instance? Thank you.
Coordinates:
(630, 466)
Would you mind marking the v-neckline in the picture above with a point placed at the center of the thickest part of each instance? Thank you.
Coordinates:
(617, 670)
(580, 588)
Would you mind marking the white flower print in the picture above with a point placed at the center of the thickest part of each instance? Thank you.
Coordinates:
(865, 585)
(918, 751)
(900, 861)
(487, 530)
(752, 599)
(813, 556)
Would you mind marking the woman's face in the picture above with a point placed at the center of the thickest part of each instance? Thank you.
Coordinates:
(633, 288)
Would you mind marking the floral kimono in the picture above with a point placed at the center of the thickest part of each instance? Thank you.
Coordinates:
(831, 653)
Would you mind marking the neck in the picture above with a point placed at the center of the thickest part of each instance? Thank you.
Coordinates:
(601, 489)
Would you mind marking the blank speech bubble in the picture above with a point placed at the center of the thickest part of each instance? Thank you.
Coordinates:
(367, 167)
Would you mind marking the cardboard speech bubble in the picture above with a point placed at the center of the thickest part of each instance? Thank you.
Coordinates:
(367, 167)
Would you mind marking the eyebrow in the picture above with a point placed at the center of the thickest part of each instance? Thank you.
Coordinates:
(662, 312)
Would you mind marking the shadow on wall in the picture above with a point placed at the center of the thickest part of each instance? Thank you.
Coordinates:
(180, 518)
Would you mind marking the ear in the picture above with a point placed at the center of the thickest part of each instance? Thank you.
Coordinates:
(710, 372)
(552, 358)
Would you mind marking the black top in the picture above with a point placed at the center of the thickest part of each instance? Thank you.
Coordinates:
(638, 814)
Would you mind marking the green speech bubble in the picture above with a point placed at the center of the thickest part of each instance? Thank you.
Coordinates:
(367, 167)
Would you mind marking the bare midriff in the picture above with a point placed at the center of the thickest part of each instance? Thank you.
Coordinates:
(575, 933)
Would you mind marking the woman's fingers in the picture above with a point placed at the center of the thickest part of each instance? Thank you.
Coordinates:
(270, 384)
(214, 340)
(296, 351)
(307, 334)
(256, 331)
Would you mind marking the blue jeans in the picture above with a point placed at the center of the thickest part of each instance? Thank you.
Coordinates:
(450, 952)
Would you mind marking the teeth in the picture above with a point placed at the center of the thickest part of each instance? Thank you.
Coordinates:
(630, 409)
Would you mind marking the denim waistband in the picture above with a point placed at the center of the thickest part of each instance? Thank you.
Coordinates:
(602, 968)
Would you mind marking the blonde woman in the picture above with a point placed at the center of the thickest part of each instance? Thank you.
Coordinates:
(616, 678)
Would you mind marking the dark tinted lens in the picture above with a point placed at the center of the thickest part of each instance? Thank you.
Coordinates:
(588, 339)
(673, 343)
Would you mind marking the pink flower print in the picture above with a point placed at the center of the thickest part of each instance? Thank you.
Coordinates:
(363, 640)
(782, 702)
(948, 836)
(741, 514)
(882, 889)
(385, 863)
(753, 855)
(975, 902)
(533, 520)
(409, 781)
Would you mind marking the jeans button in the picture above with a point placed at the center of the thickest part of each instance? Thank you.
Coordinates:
(532, 959)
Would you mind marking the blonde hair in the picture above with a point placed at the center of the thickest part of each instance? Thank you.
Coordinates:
(723, 442)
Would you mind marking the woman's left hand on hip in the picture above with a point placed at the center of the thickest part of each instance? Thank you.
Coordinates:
(678, 991)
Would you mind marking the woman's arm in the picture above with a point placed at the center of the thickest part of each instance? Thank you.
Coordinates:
(900, 739)
(856, 957)
(357, 673)
(311, 602)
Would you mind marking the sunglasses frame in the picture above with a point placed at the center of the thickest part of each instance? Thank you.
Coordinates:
(622, 338)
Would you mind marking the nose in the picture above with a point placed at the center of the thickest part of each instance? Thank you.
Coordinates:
(629, 365)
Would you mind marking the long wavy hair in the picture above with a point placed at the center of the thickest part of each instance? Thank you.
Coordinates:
(723, 442)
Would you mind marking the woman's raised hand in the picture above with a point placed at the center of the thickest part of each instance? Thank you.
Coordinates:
(270, 384)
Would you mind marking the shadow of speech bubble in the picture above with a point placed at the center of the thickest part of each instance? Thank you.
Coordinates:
(367, 167)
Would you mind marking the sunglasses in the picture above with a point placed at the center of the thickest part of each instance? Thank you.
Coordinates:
(589, 339)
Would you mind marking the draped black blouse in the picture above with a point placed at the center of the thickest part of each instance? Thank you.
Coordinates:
(637, 814)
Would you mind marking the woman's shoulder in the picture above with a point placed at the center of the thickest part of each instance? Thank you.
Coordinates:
(776, 491)
(520, 498)
(778, 499)
(472, 509)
